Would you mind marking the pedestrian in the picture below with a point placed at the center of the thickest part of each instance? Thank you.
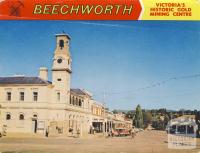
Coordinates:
(112, 133)
(90, 129)
(47, 132)
(93, 129)
(132, 133)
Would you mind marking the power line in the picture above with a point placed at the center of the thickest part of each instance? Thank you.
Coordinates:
(160, 83)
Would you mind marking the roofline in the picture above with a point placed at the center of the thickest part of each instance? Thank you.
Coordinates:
(98, 103)
(85, 94)
(73, 93)
(47, 82)
(63, 34)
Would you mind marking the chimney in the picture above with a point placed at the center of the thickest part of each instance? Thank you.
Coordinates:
(43, 73)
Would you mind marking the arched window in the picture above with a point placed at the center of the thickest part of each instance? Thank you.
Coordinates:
(8, 117)
(21, 117)
(82, 103)
(35, 115)
(76, 101)
(70, 102)
(61, 44)
(73, 100)
(79, 102)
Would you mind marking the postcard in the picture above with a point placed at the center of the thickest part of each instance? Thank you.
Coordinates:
(109, 76)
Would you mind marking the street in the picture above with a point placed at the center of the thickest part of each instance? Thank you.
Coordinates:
(144, 142)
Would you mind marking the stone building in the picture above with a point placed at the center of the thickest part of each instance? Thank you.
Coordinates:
(80, 113)
(110, 117)
(98, 116)
(36, 105)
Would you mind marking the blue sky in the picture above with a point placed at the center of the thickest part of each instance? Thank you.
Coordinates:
(115, 57)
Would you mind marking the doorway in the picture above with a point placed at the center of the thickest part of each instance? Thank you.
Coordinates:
(34, 126)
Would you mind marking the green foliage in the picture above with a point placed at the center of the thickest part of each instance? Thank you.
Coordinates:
(138, 117)
(147, 117)
(160, 122)
(115, 111)
(130, 114)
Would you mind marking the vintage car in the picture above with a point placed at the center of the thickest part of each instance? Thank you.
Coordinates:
(121, 132)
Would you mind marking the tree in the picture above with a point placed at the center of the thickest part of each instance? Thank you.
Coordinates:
(162, 111)
(115, 111)
(130, 114)
(147, 117)
(138, 117)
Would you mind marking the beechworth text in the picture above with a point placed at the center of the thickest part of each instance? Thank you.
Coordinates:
(83, 9)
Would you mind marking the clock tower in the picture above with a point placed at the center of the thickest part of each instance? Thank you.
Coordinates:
(61, 69)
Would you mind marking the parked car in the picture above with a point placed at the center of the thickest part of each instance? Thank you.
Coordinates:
(121, 132)
(115, 133)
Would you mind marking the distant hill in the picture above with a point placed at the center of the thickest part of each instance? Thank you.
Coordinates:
(122, 111)
(126, 111)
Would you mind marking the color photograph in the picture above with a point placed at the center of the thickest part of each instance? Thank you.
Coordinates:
(99, 86)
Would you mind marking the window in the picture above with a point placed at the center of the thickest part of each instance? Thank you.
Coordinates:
(61, 44)
(76, 101)
(21, 117)
(70, 102)
(8, 96)
(58, 96)
(35, 96)
(59, 79)
(73, 100)
(8, 117)
(79, 102)
(21, 96)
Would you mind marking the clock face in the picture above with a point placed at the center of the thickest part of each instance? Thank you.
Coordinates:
(59, 60)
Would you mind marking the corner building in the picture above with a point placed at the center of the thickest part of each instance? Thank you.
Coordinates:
(36, 105)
